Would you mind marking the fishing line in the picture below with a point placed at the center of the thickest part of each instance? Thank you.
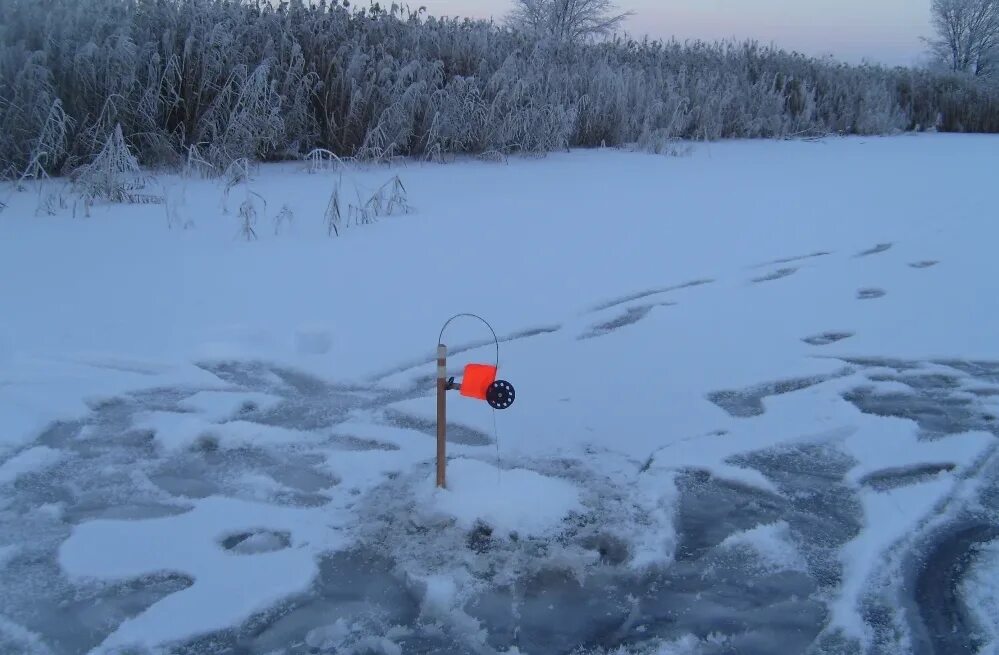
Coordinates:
(499, 470)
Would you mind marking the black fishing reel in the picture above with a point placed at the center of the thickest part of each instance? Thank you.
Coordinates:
(500, 394)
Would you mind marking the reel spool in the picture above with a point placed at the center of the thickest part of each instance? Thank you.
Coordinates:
(500, 394)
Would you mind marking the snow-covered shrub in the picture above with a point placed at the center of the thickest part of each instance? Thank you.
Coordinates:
(200, 84)
(236, 173)
(113, 175)
(333, 215)
(175, 207)
(244, 121)
(390, 199)
(878, 112)
(321, 160)
(250, 209)
(248, 219)
(195, 164)
(359, 214)
(50, 201)
(283, 219)
(50, 145)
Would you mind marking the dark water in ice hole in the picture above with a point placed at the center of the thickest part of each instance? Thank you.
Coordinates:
(718, 591)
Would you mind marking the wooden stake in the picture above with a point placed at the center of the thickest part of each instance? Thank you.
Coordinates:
(441, 415)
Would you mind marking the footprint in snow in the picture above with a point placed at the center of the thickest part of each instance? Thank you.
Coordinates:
(256, 541)
(796, 258)
(870, 294)
(631, 316)
(649, 292)
(876, 250)
(776, 275)
(893, 478)
(827, 338)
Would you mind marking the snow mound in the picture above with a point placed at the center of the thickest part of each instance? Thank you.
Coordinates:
(509, 501)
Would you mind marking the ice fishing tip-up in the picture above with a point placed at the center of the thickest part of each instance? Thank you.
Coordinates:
(479, 382)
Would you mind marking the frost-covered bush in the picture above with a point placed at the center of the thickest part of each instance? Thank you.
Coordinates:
(333, 217)
(200, 84)
(113, 175)
(283, 219)
(390, 199)
(320, 160)
(252, 207)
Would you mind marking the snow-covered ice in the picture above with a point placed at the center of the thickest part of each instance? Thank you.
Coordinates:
(221, 405)
(756, 410)
(982, 589)
(225, 587)
(504, 500)
(27, 461)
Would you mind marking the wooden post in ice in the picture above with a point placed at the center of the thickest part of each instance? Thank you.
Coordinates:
(441, 415)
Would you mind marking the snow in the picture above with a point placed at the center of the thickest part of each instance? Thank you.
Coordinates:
(774, 545)
(894, 514)
(32, 460)
(226, 588)
(302, 363)
(870, 448)
(176, 431)
(36, 389)
(7, 553)
(216, 406)
(981, 590)
(505, 500)
(16, 636)
(362, 470)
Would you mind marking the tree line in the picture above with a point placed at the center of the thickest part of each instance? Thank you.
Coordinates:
(215, 81)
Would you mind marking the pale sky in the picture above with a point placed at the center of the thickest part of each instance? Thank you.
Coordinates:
(885, 31)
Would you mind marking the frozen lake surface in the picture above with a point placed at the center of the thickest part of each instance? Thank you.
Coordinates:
(758, 410)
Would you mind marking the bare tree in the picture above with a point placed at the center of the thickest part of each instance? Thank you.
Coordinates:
(568, 20)
(967, 35)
